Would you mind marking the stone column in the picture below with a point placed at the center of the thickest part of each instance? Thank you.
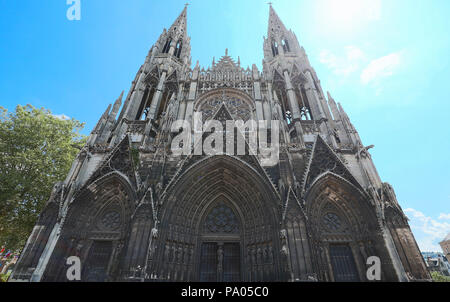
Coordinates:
(156, 101)
(257, 93)
(192, 93)
(293, 104)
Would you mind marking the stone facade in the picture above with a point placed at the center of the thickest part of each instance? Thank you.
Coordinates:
(134, 211)
(445, 245)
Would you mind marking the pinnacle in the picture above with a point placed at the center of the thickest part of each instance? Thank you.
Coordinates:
(121, 95)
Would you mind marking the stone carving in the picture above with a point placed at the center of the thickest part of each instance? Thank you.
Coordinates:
(221, 199)
(221, 220)
(332, 221)
(111, 220)
(238, 109)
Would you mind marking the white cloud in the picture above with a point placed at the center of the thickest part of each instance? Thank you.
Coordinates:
(61, 116)
(444, 216)
(345, 64)
(381, 67)
(348, 15)
(427, 231)
(373, 9)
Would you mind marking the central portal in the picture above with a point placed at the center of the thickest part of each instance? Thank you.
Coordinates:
(220, 248)
(220, 262)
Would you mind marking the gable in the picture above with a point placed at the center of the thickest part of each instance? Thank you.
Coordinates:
(120, 159)
(323, 159)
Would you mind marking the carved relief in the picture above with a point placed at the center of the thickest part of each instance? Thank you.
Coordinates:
(238, 108)
(110, 221)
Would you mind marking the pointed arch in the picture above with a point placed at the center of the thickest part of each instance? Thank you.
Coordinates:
(205, 184)
(323, 159)
(278, 78)
(221, 215)
(345, 230)
(178, 48)
(285, 45)
(95, 229)
(166, 47)
(274, 46)
(152, 78)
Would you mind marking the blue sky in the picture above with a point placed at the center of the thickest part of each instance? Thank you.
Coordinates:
(387, 62)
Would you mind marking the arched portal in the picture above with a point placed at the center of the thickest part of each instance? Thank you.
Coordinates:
(222, 211)
(220, 242)
(344, 230)
(95, 230)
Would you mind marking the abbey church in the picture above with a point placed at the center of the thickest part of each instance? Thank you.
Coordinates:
(132, 210)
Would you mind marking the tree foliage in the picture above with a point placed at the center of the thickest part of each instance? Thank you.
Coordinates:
(36, 150)
(4, 277)
(438, 277)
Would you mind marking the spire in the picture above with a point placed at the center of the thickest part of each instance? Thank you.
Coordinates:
(175, 41)
(275, 26)
(279, 40)
(179, 27)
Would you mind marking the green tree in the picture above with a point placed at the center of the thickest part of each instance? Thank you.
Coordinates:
(4, 277)
(438, 277)
(36, 150)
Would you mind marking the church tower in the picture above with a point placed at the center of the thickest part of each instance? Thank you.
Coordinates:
(133, 209)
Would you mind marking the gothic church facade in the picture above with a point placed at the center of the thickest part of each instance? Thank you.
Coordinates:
(132, 210)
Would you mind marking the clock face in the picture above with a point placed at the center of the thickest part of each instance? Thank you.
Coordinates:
(332, 221)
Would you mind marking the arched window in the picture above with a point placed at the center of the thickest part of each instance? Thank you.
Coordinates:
(98, 264)
(288, 117)
(341, 254)
(145, 104)
(220, 256)
(166, 47)
(274, 48)
(305, 114)
(178, 49)
(285, 45)
(305, 111)
(221, 219)
(336, 136)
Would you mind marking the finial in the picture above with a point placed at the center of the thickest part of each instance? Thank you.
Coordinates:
(226, 51)
(186, 4)
(270, 4)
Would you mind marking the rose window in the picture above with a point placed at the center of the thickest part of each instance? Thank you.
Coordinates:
(332, 221)
(221, 220)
